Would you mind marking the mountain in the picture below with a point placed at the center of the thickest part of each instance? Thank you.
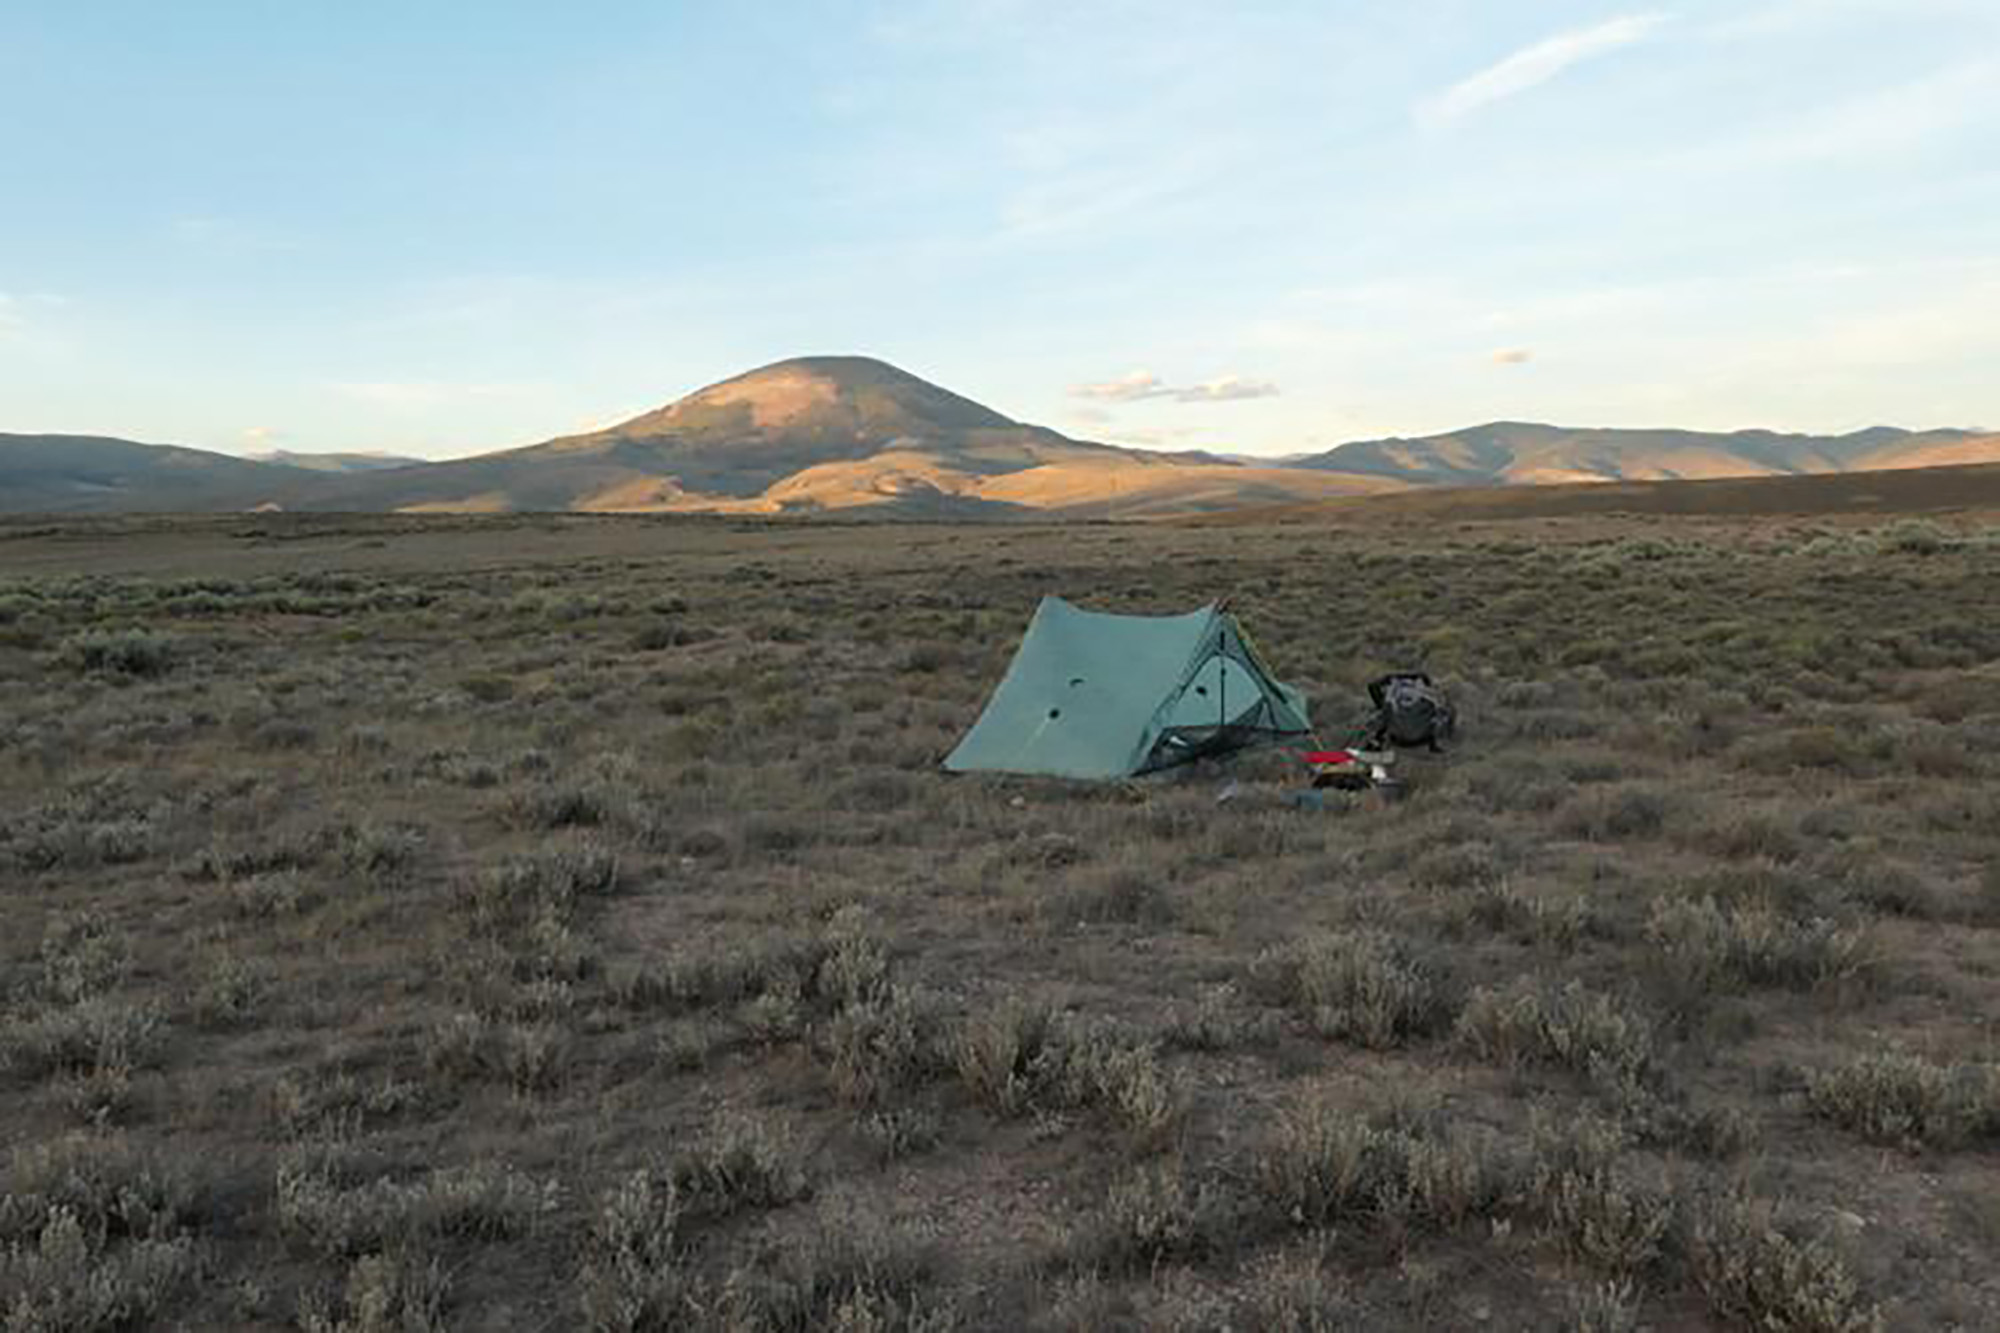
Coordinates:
(1508, 453)
(816, 434)
(850, 434)
(1962, 488)
(90, 473)
(354, 462)
(863, 429)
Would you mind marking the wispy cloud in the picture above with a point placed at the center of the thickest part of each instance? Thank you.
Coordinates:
(1125, 389)
(1535, 65)
(1513, 356)
(263, 437)
(1141, 384)
(1226, 389)
(1158, 438)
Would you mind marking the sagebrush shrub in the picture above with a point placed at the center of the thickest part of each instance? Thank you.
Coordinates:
(1605, 1218)
(1294, 1293)
(1914, 536)
(1156, 1214)
(897, 1132)
(1119, 895)
(557, 805)
(748, 1164)
(276, 853)
(230, 988)
(459, 1046)
(129, 652)
(1718, 946)
(1458, 866)
(545, 882)
(1325, 1166)
(1614, 813)
(66, 1279)
(81, 957)
(381, 854)
(1755, 1272)
(533, 1056)
(850, 1276)
(273, 894)
(104, 1182)
(1572, 1026)
(724, 972)
(337, 1104)
(1902, 1099)
(383, 1293)
(322, 1205)
(1019, 1057)
(82, 1039)
(1559, 923)
(885, 1043)
(634, 1276)
(1365, 986)
(1213, 1022)
(1811, 747)
(1610, 1306)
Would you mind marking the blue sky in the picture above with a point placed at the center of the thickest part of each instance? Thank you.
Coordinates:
(1266, 226)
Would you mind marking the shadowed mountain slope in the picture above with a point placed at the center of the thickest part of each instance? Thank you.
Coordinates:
(1969, 488)
(336, 462)
(91, 473)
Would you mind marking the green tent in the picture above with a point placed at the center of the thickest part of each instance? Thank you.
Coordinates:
(1091, 695)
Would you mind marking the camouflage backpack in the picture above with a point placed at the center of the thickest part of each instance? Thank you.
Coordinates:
(1410, 710)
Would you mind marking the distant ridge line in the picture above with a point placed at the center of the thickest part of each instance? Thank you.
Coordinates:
(854, 434)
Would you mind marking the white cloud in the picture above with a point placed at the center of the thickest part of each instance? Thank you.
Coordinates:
(1535, 65)
(1513, 356)
(1125, 389)
(1145, 384)
(263, 437)
(1226, 389)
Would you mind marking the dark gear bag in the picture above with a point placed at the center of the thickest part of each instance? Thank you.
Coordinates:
(1410, 710)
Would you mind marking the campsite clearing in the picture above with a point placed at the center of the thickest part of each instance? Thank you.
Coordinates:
(544, 922)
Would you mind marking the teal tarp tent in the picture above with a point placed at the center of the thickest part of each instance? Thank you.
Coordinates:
(1091, 695)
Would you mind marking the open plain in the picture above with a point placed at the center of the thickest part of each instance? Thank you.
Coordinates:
(524, 922)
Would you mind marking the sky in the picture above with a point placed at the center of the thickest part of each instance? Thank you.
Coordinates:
(1269, 226)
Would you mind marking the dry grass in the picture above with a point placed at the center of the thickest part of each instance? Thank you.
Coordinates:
(553, 923)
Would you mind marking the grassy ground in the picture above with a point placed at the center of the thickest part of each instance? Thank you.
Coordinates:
(557, 924)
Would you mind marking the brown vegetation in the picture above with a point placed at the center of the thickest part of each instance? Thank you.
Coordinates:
(562, 923)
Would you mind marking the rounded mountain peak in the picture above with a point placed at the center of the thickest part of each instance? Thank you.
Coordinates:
(815, 393)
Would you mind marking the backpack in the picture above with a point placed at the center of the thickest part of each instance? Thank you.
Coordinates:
(1410, 710)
